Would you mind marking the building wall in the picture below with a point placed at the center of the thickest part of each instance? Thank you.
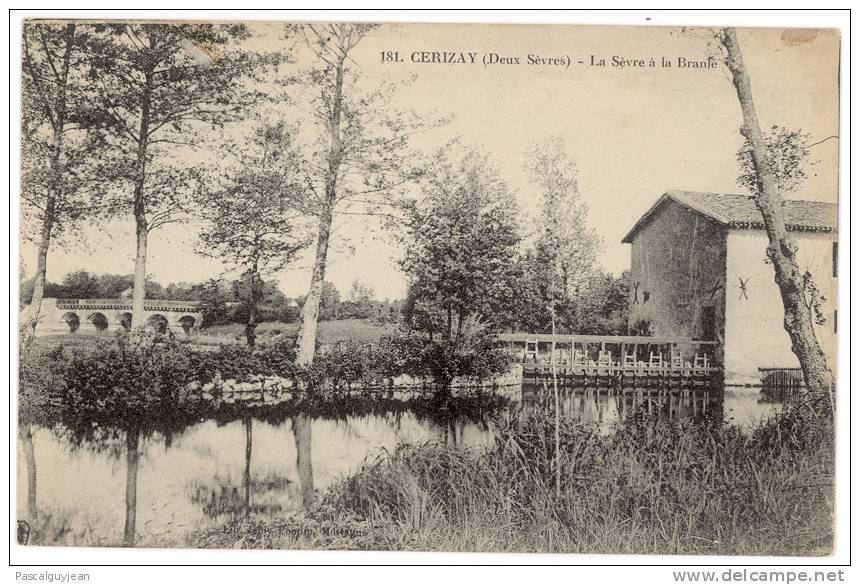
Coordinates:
(678, 261)
(754, 333)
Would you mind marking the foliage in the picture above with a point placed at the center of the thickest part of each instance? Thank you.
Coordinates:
(814, 297)
(40, 377)
(134, 381)
(140, 379)
(159, 84)
(601, 305)
(60, 138)
(787, 158)
(642, 327)
(249, 221)
(461, 241)
(60, 144)
(558, 268)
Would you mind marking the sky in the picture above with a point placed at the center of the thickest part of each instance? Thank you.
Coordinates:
(635, 132)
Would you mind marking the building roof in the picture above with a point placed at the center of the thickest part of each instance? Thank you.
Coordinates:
(739, 211)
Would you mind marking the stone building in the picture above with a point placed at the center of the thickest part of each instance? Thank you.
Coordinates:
(699, 270)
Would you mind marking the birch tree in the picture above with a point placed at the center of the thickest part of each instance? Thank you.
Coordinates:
(58, 142)
(562, 260)
(163, 83)
(358, 156)
(782, 249)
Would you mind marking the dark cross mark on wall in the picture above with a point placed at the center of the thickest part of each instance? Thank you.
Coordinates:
(743, 287)
(636, 293)
(715, 288)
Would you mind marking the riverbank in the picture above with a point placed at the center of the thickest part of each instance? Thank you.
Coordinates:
(650, 487)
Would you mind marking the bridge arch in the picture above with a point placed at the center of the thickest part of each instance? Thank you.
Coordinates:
(72, 320)
(99, 321)
(158, 322)
(187, 322)
(124, 320)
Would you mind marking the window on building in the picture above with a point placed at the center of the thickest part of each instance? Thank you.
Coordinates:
(835, 315)
(835, 259)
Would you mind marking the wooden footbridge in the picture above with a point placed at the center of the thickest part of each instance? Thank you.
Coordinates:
(583, 360)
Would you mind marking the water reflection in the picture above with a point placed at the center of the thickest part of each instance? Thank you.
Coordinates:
(25, 440)
(132, 459)
(304, 462)
(214, 471)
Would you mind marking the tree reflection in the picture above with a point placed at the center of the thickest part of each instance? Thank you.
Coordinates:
(246, 480)
(132, 458)
(25, 434)
(302, 434)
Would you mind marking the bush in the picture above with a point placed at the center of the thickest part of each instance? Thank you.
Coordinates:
(40, 380)
(135, 379)
(139, 380)
(412, 355)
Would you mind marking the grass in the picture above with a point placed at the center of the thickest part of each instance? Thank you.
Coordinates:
(329, 332)
(652, 487)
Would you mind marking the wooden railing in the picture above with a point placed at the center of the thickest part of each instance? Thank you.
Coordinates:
(611, 354)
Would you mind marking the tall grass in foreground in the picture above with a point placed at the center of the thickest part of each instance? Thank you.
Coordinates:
(652, 486)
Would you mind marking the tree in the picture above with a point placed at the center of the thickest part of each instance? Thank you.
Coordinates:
(161, 83)
(248, 216)
(57, 139)
(359, 303)
(80, 285)
(562, 258)
(461, 242)
(214, 298)
(358, 155)
(767, 175)
(329, 302)
(602, 306)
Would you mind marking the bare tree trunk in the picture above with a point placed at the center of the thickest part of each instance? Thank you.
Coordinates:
(302, 435)
(253, 296)
(25, 433)
(55, 190)
(781, 248)
(557, 406)
(35, 308)
(131, 457)
(311, 308)
(141, 225)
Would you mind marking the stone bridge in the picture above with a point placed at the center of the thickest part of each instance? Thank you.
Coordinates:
(100, 315)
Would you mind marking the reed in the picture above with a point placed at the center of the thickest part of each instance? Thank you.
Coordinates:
(651, 487)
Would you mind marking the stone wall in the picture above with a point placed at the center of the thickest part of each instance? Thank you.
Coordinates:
(677, 270)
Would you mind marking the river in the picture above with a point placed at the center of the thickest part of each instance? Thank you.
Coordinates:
(210, 473)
